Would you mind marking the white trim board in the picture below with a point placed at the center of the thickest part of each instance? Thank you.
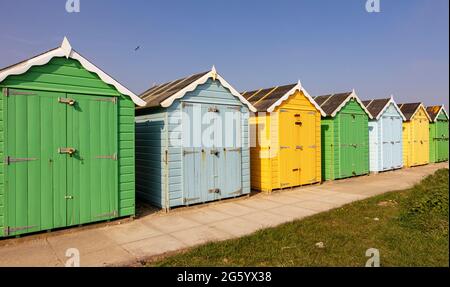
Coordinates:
(286, 96)
(417, 109)
(65, 50)
(351, 96)
(391, 101)
(191, 87)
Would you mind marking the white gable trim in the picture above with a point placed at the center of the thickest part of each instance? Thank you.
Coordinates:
(65, 50)
(442, 109)
(424, 109)
(348, 99)
(191, 87)
(391, 101)
(286, 96)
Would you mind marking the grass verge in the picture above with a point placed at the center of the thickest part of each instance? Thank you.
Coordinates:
(409, 228)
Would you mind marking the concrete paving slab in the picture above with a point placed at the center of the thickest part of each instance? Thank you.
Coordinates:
(266, 218)
(315, 205)
(170, 223)
(233, 209)
(36, 253)
(282, 198)
(153, 246)
(292, 212)
(106, 257)
(201, 234)
(237, 226)
(206, 215)
(130, 232)
(260, 203)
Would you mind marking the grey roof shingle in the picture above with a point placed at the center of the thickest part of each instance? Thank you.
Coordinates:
(265, 98)
(375, 107)
(329, 103)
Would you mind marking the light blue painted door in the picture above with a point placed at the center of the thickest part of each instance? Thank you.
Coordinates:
(198, 163)
(229, 153)
(387, 142)
(211, 152)
(397, 127)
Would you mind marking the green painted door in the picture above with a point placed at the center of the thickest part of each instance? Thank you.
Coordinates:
(442, 142)
(92, 169)
(36, 174)
(346, 150)
(46, 187)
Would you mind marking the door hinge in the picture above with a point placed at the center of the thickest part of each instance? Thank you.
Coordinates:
(284, 147)
(214, 190)
(234, 149)
(67, 101)
(185, 152)
(166, 156)
(8, 230)
(16, 93)
(187, 200)
(113, 157)
(111, 214)
(237, 192)
(300, 147)
(312, 146)
(9, 160)
(111, 100)
(285, 184)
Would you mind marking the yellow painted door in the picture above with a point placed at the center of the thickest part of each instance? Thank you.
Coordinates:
(306, 127)
(288, 155)
(420, 152)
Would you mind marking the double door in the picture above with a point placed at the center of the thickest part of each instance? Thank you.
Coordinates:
(61, 163)
(212, 152)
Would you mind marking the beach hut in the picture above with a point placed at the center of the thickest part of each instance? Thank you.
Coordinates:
(385, 135)
(192, 142)
(286, 146)
(438, 133)
(416, 134)
(66, 144)
(345, 136)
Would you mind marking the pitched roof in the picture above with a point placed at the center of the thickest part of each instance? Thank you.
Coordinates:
(65, 50)
(333, 103)
(378, 106)
(165, 94)
(434, 111)
(157, 94)
(268, 99)
(375, 107)
(410, 109)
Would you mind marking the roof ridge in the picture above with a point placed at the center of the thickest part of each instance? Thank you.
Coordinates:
(329, 98)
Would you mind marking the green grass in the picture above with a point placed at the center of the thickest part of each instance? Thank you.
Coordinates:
(412, 231)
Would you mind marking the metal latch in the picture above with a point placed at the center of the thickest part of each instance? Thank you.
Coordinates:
(113, 157)
(214, 190)
(213, 110)
(215, 152)
(238, 192)
(9, 160)
(300, 147)
(67, 101)
(111, 214)
(67, 150)
(298, 123)
(68, 197)
(284, 147)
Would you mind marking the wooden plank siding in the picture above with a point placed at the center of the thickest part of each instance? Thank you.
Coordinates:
(67, 76)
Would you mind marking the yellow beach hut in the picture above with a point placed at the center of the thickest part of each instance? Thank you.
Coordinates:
(286, 141)
(416, 145)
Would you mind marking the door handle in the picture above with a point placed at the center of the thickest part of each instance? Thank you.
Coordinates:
(67, 150)
(70, 102)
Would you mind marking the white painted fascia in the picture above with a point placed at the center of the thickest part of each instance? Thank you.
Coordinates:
(191, 87)
(425, 110)
(65, 50)
(353, 95)
(391, 101)
(286, 96)
(442, 109)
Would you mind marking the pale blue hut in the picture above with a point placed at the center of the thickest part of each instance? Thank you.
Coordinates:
(385, 135)
(192, 142)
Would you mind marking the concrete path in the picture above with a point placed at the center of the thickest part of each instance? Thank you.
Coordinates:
(155, 234)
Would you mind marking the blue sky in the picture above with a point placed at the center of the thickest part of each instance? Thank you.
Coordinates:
(330, 45)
